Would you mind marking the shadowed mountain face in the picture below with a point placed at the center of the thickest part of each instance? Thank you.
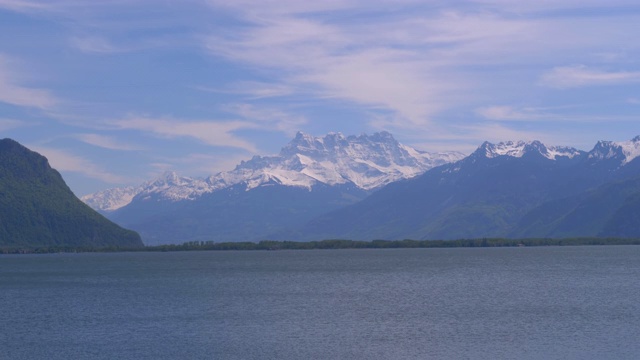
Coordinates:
(323, 188)
(267, 195)
(364, 162)
(504, 190)
(37, 208)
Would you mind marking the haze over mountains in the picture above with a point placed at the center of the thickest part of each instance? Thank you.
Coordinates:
(515, 190)
(365, 162)
(372, 187)
(267, 194)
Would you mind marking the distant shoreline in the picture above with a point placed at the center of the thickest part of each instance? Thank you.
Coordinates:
(333, 244)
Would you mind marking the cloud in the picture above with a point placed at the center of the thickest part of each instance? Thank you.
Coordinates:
(414, 62)
(409, 63)
(268, 118)
(509, 113)
(258, 9)
(212, 133)
(197, 164)
(23, 5)
(494, 132)
(64, 161)
(8, 124)
(336, 62)
(252, 89)
(94, 44)
(580, 75)
(467, 138)
(14, 93)
(105, 142)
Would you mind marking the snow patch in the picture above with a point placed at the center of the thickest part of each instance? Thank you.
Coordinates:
(630, 149)
(518, 149)
(368, 162)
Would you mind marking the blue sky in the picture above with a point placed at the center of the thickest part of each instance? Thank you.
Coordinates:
(116, 92)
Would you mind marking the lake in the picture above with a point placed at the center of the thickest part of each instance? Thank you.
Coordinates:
(479, 303)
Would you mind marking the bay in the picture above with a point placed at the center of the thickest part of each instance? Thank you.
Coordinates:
(480, 303)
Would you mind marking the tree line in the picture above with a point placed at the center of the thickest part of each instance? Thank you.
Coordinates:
(336, 244)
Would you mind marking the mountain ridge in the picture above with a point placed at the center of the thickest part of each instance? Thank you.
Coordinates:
(367, 161)
(316, 188)
(37, 208)
(487, 194)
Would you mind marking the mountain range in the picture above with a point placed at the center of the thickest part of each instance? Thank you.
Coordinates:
(267, 194)
(37, 208)
(372, 187)
(364, 162)
(513, 190)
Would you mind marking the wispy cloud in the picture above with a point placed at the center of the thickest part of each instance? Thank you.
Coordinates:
(105, 142)
(416, 65)
(495, 132)
(214, 133)
(252, 89)
(94, 44)
(197, 164)
(8, 124)
(64, 161)
(23, 5)
(13, 92)
(268, 117)
(505, 113)
(581, 75)
(467, 138)
(509, 113)
(339, 63)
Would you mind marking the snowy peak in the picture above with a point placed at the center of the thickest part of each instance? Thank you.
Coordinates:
(304, 143)
(168, 186)
(630, 149)
(606, 150)
(366, 161)
(111, 199)
(520, 148)
(624, 151)
(171, 186)
(169, 178)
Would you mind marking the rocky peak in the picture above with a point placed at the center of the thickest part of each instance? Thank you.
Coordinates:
(624, 151)
(520, 148)
(368, 162)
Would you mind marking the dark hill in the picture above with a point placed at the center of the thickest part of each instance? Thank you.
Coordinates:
(37, 208)
(233, 214)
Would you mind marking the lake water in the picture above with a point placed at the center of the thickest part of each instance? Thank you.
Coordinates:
(513, 303)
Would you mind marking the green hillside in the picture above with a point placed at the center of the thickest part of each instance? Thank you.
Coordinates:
(38, 209)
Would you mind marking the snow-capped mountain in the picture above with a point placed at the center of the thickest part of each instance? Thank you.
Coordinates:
(319, 188)
(368, 162)
(625, 151)
(169, 186)
(112, 199)
(518, 149)
(510, 189)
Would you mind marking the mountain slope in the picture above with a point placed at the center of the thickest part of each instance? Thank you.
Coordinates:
(610, 210)
(266, 195)
(367, 162)
(38, 209)
(495, 192)
(233, 214)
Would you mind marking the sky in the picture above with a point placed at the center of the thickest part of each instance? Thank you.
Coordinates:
(116, 92)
